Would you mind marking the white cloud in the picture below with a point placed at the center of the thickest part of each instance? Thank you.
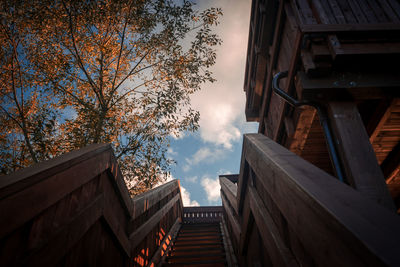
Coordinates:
(191, 179)
(186, 168)
(186, 199)
(223, 171)
(212, 188)
(171, 152)
(204, 154)
(221, 104)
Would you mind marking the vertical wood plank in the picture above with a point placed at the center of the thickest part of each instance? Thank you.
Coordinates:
(279, 252)
(359, 161)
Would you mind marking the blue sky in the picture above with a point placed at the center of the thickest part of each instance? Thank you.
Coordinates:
(216, 148)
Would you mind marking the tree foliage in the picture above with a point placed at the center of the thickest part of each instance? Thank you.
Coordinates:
(75, 73)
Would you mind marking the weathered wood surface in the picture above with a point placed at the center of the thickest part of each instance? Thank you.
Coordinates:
(359, 161)
(304, 216)
(76, 210)
(229, 189)
(340, 50)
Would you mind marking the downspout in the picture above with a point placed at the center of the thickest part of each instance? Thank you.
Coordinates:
(323, 118)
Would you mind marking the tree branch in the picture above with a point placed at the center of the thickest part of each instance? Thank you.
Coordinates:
(76, 55)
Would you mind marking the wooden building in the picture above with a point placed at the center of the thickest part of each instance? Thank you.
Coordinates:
(319, 185)
(344, 57)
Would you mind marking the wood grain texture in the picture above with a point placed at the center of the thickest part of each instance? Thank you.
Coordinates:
(325, 214)
(230, 190)
(279, 252)
(75, 210)
(358, 157)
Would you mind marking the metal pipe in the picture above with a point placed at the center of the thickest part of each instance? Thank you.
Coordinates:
(323, 118)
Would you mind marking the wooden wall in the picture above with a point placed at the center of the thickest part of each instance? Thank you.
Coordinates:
(287, 212)
(75, 210)
(335, 52)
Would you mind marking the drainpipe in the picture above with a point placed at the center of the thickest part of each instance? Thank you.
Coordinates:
(323, 118)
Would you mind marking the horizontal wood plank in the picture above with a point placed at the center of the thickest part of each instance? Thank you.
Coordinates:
(229, 190)
(279, 252)
(340, 223)
(137, 236)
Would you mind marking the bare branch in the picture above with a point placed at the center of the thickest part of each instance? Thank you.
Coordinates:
(119, 55)
(132, 72)
(76, 55)
(11, 117)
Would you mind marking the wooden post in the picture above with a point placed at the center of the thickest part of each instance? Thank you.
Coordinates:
(357, 155)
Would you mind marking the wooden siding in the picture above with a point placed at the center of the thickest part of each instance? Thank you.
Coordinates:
(75, 210)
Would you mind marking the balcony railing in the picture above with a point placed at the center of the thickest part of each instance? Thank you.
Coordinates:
(284, 211)
(75, 210)
(210, 214)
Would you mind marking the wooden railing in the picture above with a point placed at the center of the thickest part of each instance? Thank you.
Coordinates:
(284, 211)
(205, 214)
(75, 210)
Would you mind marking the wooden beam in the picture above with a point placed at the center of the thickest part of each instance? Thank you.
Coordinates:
(231, 177)
(140, 233)
(118, 180)
(26, 177)
(59, 245)
(348, 86)
(247, 223)
(380, 117)
(232, 219)
(271, 66)
(161, 253)
(325, 214)
(46, 190)
(303, 127)
(113, 213)
(145, 201)
(229, 249)
(376, 118)
(357, 155)
(280, 254)
(342, 28)
(242, 181)
(290, 80)
(229, 189)
(390, 166)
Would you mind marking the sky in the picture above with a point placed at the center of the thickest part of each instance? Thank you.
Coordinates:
(216, 147)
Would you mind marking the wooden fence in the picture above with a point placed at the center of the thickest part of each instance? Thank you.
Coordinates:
(205, 214)
(75, 210)
(284, 211)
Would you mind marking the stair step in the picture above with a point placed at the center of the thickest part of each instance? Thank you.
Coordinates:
(198, 231)
(197, 255)
(197, 245)
(195, 264)
(198, 260)
(193, 240)
(199, 250)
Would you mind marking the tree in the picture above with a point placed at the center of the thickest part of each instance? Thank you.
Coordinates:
(122, 72)
(26, 118)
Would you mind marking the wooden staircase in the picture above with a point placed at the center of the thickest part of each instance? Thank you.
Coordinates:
(198, 244)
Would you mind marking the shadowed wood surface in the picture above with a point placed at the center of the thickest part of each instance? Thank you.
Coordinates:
(334, 51)
(75, 210)
(296, 214)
